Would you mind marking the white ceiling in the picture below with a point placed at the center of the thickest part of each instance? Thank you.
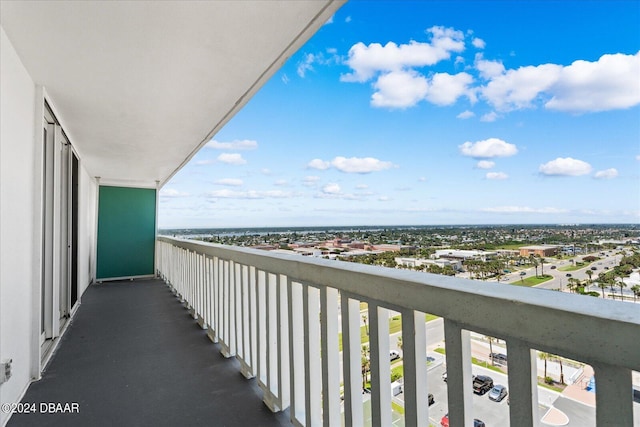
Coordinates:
(138, 86)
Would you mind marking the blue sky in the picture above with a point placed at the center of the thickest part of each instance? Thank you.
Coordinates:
(434, 112)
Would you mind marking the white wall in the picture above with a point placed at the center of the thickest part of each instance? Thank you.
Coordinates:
(86, 229)
(20, 222)
(18, 159)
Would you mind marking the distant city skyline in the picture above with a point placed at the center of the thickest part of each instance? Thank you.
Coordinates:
(434, 113)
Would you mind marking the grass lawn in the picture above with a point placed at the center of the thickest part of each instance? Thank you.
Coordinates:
(532, 281)
(474, 361)
(578, 266)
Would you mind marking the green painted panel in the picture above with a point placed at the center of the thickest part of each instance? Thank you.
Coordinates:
(126, 232)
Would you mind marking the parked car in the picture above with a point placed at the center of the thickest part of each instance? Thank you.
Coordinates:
(444, 422)
(594, 268)
(482, 384)
(432, 400)
(500, 358)
(553, 267)
(394, 355)
(498, 392)
(523, 273)
(568, 274)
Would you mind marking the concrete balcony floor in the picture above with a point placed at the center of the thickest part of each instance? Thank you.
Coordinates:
(133, 356)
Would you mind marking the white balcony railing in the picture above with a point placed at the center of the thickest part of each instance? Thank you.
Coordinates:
(281, 316)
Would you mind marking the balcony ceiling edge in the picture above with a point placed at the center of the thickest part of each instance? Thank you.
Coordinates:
(140, 87)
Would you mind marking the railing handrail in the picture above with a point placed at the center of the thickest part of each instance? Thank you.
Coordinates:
(592, 330)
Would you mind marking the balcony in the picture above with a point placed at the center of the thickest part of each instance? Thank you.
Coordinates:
(133, 354)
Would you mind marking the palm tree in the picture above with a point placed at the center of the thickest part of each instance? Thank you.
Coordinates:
(399, 343)
(572, 283)
(534, 261)
(561, 371)
(589, 273)
(636, 292)
(366, 365)
(544, 356)
(620, 282)
(602, 282)
(490, 339)
(542, 266)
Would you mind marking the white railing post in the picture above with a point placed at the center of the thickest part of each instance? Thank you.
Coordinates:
(351, 362)
(414, 352)
(330, 357)
(459, 387)
(380, 370)
(523, 384)
(312, 365)
(296, 352)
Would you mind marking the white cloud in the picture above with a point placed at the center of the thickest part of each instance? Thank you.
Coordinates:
(306, 64)
(489, 117)
(422, 179)
(329, 21)
(606, 174)
(281, 183)
(517, 89)
(610, 83)
(399, 89)
(485, 164)
(232, 182)
(367, 61)
(331, 188)
(496, 175)
(231, 159)
(384, 198)
(238, 144)
(318, 164)
(352, 165)
(638, 157)
(172, 192)
(284, 78)
(488, 69)
(565, 166)
(445, 89)
(204, 162)
(488, 148)
(347, 19)
(478, 43)
(362, 186)
(252, 194)
(265, 171)
(310, 181)
(524, 209)
(360, 164)
(466, 115)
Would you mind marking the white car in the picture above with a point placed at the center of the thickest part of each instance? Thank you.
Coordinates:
(393, 354)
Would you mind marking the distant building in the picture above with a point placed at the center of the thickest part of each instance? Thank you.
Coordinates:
(391, 248)
(461, 255)
(539, 250)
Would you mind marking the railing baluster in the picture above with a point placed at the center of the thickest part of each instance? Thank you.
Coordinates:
(614, 396)
(261, 328)
(459, 387)
(330, 357)
(312, 366)
(523, 384)
(414, 346)
(284, 372)
(380, 370)
(296, 352)
(351, 362)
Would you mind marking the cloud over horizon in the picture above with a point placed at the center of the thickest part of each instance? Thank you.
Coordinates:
(488, 148)
(565, 166)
